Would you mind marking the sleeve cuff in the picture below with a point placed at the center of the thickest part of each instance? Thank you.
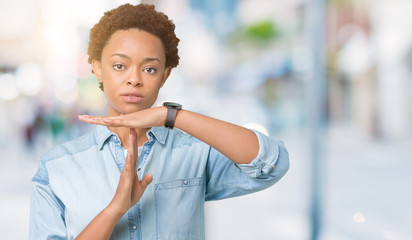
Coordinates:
(266, 159)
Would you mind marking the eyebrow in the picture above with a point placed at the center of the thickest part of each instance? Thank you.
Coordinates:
(151, 60)
(148, 59)
(120, 55)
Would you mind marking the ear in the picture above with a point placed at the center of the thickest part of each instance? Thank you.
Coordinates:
(97, 69)
(166, 74)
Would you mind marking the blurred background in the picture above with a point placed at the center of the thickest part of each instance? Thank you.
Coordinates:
(332, 79)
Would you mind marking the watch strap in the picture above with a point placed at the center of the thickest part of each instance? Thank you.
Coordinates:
(170, 117)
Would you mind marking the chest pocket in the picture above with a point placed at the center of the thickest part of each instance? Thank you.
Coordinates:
(180, 209)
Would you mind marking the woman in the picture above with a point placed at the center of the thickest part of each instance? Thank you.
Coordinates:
(136, 176)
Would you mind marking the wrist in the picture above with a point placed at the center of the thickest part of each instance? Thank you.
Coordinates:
(161, 116)
(182, 116)
(113, 212)
(172, 110)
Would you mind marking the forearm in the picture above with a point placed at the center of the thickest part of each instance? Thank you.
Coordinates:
(237, 143)
(101, 227)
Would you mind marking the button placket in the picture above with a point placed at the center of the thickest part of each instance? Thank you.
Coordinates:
(118, 152)
(147, 147)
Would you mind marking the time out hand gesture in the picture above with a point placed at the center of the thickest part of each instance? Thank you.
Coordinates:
(130, 189)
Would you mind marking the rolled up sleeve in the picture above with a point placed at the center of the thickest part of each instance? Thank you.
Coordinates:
(272, 154)
(227, 179)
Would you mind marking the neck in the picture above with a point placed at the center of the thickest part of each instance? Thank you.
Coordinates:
(123, 133)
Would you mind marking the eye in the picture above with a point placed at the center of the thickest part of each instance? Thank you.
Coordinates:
(150, 70)
(119, 67)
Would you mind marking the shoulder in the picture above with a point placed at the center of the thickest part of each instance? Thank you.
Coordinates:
(178, 137)
(74, 146)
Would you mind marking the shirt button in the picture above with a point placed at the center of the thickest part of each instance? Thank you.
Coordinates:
(134, 227)
(185, 182)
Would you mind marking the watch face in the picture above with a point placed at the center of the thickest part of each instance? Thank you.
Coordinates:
(172, 105)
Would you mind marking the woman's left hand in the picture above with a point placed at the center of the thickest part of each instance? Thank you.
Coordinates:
(151, 117)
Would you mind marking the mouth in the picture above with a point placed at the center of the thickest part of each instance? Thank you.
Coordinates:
(132, 97)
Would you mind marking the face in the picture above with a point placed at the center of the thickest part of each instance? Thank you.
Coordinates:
(132, 70)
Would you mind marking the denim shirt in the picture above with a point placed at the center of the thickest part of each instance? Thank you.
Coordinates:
(75, 181)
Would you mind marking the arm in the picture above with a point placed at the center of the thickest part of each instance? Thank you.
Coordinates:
(101, 227)
(129, 190)
(46, 212)
(237, 143)
(226, 180)
(255, 154)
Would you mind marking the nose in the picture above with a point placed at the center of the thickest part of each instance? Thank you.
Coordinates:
(134, 79)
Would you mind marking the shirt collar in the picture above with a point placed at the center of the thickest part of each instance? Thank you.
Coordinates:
(102, 134)
(159, 133)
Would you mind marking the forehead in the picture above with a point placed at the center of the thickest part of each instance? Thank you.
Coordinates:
(135, 43)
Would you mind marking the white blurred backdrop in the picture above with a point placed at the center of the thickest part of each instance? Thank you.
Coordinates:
(247, 62)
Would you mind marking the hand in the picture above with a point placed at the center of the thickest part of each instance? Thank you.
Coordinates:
(130, 189)
(147, 118)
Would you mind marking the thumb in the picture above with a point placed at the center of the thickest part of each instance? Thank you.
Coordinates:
(147, 179)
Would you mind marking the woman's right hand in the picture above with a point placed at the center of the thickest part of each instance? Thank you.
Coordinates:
(130, 189)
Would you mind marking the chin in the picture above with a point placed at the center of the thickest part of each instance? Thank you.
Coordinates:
(131, 109)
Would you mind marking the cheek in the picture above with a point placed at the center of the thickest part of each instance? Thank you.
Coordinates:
(110, 80)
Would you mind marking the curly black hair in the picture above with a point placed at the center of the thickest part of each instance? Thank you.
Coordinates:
(141, 16)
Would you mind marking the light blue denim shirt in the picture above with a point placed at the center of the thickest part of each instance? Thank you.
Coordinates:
(77, 180)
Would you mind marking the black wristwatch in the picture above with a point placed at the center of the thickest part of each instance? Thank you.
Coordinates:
(172, 109)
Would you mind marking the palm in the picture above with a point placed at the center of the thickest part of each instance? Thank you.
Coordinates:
(147, 118)
(130, 189)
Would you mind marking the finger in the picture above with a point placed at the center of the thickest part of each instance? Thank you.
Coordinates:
(90, 117)
(111, 122)
(92, 120)
(127, 120)
(129, 169)
(127, 174)
(147, 179)
(106, 122)
(133, 141)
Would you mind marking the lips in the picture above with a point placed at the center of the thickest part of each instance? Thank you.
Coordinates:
(132, 97)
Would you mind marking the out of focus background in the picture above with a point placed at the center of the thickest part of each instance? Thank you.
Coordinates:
(333, 79)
